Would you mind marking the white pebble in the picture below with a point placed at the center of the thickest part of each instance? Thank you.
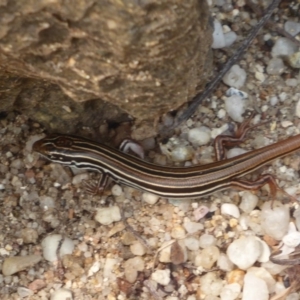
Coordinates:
(265, 251)
(150, 198)
(131, 268)
(181, 153)
(206, 240)
(292, 28)
(108, 215)
(224, 263)
(275, 221)
(283, 96)
(199, 136)
(254, 288)
(235, 77)
(283, 47)
(50, 246)
(221, 113)
(116, 190)
(260, 76)
(230, 209)
(178, 232)
(207, 257)
(263, 274)
(272, 268)
(191, 243)
(94, 268)
(109, 265)
(244, 252)
(161, 276)
(249, 201)
(229, 37)
(230, 291)
(292, 239)
(218, 36)
(192, 227)
(235, 107)
(275, 66)
(273, 100)
(79, 178)
(61, 294)
(293, 82)
(137, 248)
(233, 91)
(211, 284)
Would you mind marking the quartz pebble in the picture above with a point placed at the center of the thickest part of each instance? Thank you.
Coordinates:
(131, 268)
(192, 227)
(230, 291)
(109, 267)
(275, 220)
(78, 178)
(207, 240)
(211, 285)
(218, 36)
(230, 209)
(235, 77)
(283, 47)
(24, 292)
(249, 201)
(161, 276)
(61, 294)
(232, 152)
(224, 263)
(275, 66)
(191, 243)
(235, 107)
(116, 190)
(150, 198)
(51, 243)
(137, 248)
(199, 136)
(207, 257)
(108, 215)
(12, 265)
(254, 288)
(178, 232)
(244, 252)
(292, 28)
(265, 275)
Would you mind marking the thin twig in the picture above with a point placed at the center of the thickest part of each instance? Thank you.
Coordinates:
(197, 100)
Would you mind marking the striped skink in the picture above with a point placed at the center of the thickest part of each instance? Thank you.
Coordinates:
(169, 182)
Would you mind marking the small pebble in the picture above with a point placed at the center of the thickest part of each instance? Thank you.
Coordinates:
(50, 246)
(283, 47)
(248, 202)
(12, 265)
(275, 220)
(230, 209)
(108, 268)
(150, 198)
(297, 110)
(206, 240)
(224, 263)
(24, 292)
(178, 232)
(230, 291)
(161, 276)
(131, 268)
(254, 288)
(275, 66)
(235, 107)
(207, 257)
(218, 36)
(108, 215)
(61, 294)
(263, 274)
(137, 248)
(244, 252)
(116, 190)
(79, 178)
(235, 77)
(211, 284)
(193, 227)
(191, 243)
(292, 28)
(199, 136)
(200, 212)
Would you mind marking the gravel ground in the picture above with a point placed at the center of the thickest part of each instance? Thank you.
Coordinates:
(160, 252)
